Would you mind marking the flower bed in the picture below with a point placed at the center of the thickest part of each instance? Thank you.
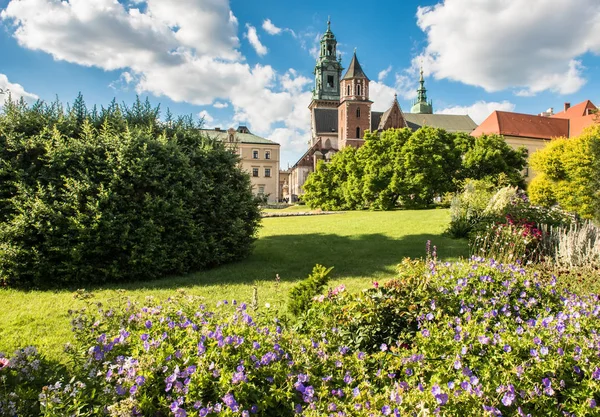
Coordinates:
(471, 338)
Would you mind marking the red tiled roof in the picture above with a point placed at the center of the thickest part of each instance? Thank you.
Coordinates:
(578, 110)
(523, 125)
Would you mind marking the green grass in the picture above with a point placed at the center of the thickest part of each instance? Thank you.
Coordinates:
(361, 246)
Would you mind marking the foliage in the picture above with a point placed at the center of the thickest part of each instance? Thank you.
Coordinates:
(510, 242)
(481, 206)
(363, 245)
(88, 197)
(568, 174)
(490, 157)
(410, 168)
(490, 339)
(22, 379)
(302, 293)
(468, 207)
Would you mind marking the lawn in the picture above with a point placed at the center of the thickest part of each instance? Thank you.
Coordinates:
(361, 246)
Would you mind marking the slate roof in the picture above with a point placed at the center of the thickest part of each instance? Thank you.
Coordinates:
(354, 70)
(523, 125)
(326, 120)
(448, 122)
(241, 137)
(375, 119)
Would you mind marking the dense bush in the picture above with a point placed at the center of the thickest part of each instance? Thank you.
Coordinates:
(92, 198)
(569, 174)
(401, 167)
(487, 339)
(302, 294)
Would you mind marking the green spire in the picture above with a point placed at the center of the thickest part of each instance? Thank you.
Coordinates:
(421, 105)
(328, 68)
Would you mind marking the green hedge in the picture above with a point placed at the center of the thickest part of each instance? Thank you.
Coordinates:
(89, 197)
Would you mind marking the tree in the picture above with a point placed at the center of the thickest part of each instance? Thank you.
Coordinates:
(410, 168)
(568, 174)
(125, 198)
(490, 157)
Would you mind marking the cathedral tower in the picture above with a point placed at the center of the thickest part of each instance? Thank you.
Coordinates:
(328, 71)
(421, 106)
(354, 110)
(326, 92)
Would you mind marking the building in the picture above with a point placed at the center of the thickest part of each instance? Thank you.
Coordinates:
(534, 131)
(341, 112)
(259, 157)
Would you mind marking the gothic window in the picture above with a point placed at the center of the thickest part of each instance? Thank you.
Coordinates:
(358, 90)
(358, 112)
(330, 81)
(358, 132)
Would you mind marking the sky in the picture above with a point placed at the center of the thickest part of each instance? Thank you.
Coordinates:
(251, 62)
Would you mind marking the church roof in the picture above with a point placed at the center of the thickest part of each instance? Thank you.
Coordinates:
(354, 70)
(375, 119)
(448, 122)
(248, 137)
(326, 120)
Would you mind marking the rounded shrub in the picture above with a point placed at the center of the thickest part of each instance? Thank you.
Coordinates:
(116, 197)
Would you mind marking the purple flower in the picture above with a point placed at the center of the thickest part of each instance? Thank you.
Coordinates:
(508, 398)
(355, 392)
(386, 410)
(592, 403)
(383, 347)
(596, 373)
(230, 402)
(425, 333)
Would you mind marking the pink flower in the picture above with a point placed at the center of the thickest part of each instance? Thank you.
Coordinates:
(4, 362)
(375, 284)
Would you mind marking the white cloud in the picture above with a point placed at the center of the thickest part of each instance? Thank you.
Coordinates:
(383, 73)
(16, 91)
(270, 28)
(528, 45)
(254, 40)
(206, 117)
(480, 110)
(161, 49)
(219, 105)
(381, 95)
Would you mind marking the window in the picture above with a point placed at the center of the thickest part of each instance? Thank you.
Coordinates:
(348, 90)
(255, 172)
(267, 154)
(268, 172)
(358, 132)
(358, 112)
(358, 90)
(261, 189)
(329, 50)
(330, 81)
(526, 172)
(255, 154)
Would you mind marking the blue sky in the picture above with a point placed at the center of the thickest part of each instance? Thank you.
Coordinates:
(251, 62)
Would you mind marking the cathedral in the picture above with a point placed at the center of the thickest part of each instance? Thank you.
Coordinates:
(341, 112)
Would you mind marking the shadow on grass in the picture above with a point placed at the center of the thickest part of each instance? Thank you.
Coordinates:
(294, 256)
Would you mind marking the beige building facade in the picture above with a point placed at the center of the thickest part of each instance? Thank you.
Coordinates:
(258, 156)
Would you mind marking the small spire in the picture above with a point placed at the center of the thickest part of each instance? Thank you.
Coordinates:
(355, 50)
(328, 23)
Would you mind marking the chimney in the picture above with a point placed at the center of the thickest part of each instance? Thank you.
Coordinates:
(567, 106)
(218, 129)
